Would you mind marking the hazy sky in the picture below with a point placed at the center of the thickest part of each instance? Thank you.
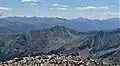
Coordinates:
(61, 8)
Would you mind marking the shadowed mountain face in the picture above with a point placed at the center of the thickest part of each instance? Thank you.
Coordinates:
(103, 45)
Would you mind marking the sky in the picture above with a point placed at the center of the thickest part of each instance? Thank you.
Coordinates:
(93, 9)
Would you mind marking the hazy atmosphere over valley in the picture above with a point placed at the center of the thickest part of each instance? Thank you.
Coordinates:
(59, 33)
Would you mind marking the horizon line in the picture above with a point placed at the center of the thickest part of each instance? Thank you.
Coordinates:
(61, 17)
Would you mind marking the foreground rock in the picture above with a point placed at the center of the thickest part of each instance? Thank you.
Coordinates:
(54, 60)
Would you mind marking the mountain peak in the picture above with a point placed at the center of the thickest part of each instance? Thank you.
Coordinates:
(59, 26)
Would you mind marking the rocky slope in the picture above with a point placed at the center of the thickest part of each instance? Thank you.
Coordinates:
(103, 45)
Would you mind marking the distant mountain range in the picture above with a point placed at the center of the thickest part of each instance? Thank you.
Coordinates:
(18, 24)
(104, 45)
(7, 26)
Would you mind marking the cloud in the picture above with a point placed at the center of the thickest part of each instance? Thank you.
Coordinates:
(84, 8)
(37, 10)
(55, 4)
(5, 9)
(30, 1)
(103, 7)
(62, 9)
(50, 8)
(112, 6)
(108, 13)
(104, 15)
(94, 7)
(34, 4)
(64, 6)
(58, 5)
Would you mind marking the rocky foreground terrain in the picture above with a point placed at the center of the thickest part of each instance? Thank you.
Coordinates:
(55, 60)
(102, 45)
